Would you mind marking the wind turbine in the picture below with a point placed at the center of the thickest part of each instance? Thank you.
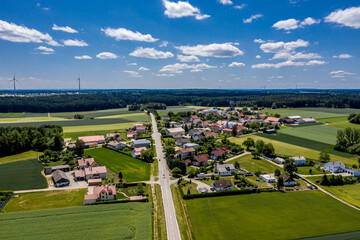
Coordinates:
(14, 80)
(79, 83)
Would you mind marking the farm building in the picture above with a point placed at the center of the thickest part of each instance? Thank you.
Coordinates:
(222, 185)
(93, 141)
(102, 193)
(141, 143)
(60, 179)
(268, 178)
(224, 169)
(334, 167)
(116, 145)
(279, 160)
(50, 170)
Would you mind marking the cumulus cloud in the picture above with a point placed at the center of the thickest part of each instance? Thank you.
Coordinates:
(151, 53)
(133, 74)
(237, 64)
(253, 17)
(64, 29)
(349, 17)
(309, 21)
(165, 75)
(163, 44)
(125, 34)
(179, 67)
(287, 63)
(15, 33)
(259, 40)
(46, 50)
(190, 58)
(275, 47)
(225, 2)
(291, 24)
(258, 56)
(217, 50)
(340, 74)
(143, 69)
(344, 55)
(295, 56)
(131, 64)
(75, 43)
(83, 57)
(239, 7)
(106, 55)
(182, 9)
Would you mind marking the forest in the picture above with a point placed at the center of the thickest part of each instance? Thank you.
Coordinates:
(221, 98)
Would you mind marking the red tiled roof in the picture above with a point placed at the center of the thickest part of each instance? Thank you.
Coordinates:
(201, 158)
(92, 138)
(187, 150)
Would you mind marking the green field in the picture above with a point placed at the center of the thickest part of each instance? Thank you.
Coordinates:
(304, 170)
(176, 109)
(134, 117)
(22, 175)
(253, 165)
(110, 221)
(20, 157)
(75, 135)
(133, 170)
(349, 193)
(45, 200)
(316, 113)
(92, 128)
(279, 215)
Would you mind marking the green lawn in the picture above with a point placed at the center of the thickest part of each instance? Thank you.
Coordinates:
(20, 157)
(349, 193)
(279, 215)
(253, 165)
(132, 169)
(305, 170)
(45, 200)
(110, 221)
(22, 175)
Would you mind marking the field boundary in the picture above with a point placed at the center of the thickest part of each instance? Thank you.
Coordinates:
(6, 201)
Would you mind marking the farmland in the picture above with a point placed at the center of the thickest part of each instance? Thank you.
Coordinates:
(19, 157)
(312, 112)
(253, 165)
(91, 128)
(264, 210)
(115, 221)
(45, 200)
(132, 169)
(22, 175)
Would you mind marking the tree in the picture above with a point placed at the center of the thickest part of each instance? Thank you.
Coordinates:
(310, 171)
(140, 189)
(324, 157)
(169, 150)
(255, 154)
(191, 173)
(237, 164)
(277, 172)
(325, 181)
(234, 130)
(120, 175)
(259, 145)
(176, 172)
(79, 148)
(289, 166)
(268, 150)
(188, 191)
(57, 143)
(248, 143)
(280, 183)
(148, 156)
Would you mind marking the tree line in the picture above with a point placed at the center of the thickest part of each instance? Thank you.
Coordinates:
(348, 140)
(354, 118)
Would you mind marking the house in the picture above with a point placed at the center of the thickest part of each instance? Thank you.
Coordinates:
(93, 141)
(273, 121)
(334, 167)
(101, 193)
(268, 178)
(279, 160)
(227, 130)
(113, 135)
(205, 124)
(132, 134)
(224, 169)
(50, 170)
(140, 129)
(175, 131)
(225, 150)
(200, 160)
(299, 160)
(116, 145)
(183, 153)
(222, 185)
(210, 134)
(165, 118)
(79, 175)
(60, 179)
(136, 152)
(95, 172)
(86, 162)
(191, 145)
(196, 134)
(141, 143)
(288, 182)
(187, 162)
(216, 154)
(179, 141)
(215, 128)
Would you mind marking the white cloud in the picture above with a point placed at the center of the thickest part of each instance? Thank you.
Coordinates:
(133, 74)
(151, 53)
(294, 56)
(349, 17)
(242, 6)
(190, 58)
(46, 50)
(163, 44)
(258, 56)
(64, 29)
(315, 62)
(344, 55)
(287, 63)
(15, 33)
(253, 17)
(179, 67)
(165, 75)
(225, 2)
(124, 34)
(182, 9)
(340, 74)
(291, 24)
(106, 55)
(131, 64)
(259, 40)
(83, 57)
(275, 47)
(237, 64)
(217, 50)
(309, 21)
(143, 69)
(75, 43)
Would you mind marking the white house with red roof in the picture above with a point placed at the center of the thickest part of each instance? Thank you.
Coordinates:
(101, 193)
(86, 162)
(136, 152)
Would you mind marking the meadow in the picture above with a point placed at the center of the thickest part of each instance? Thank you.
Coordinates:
(20, 157)
(316, 113)
(45, 200)
(92, 128)
(176, 109)
(253, 165)
(279, 215)
(110, 221)
(22, 175)
(133, 170)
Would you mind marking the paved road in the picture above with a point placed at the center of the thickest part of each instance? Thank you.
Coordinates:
(172, 227)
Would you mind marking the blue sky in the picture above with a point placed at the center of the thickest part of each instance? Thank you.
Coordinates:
(228, 44)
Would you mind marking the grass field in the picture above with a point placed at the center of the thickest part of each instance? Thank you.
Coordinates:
(253, 165)
(176, 109)
(110, 221)
(349, 193)
(22, 175)
(316, 113)
(287, 149)
(92, 128)
(134, 117)
(160, 214)
(133, 170)
(30, 119)
(19, 157)
(45, 200)
(305, 170)
(279, 215)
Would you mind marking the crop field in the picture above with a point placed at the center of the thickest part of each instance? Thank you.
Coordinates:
(316, 113)
(286, 149)
(253, 165)
(45, 200)
(20, 157)
(134, 117)
(132, 169)
(30, 120)
(349, 193)
(22, 175)
(176, 109)
(110, 221)
(279, 215)
(92, 128)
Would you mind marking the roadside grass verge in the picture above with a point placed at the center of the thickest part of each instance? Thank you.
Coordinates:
(20, 157)
(45, 200)
(160, 214)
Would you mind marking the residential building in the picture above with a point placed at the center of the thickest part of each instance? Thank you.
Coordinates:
(222, 185)
(196, 134)
(165, 118)
(224, 169)
(334, 167)
(273, 121)
(268, 178)
(116, 145)
(91, 141)
(141, 143)
(101, 193)
(191, 145)
(288, 182)
(180, 141)
(299, 160)
(95, 172)
(200, 160)
(217, 154)
(209, 134)
(132, 135)
(86, 162)
(60, 179)
(188, 152)
(136, 152)
(175, 131)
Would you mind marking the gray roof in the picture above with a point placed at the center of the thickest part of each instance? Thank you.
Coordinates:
(225, 167)
(59, 176)
(298, 158)
(142, 141)
(335, 164)
(60, 167)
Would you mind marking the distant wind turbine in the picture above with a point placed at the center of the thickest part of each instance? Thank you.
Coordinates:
(14, 80)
